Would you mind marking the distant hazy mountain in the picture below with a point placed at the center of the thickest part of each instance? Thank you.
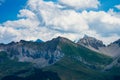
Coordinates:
(39, 40)
(57, 59)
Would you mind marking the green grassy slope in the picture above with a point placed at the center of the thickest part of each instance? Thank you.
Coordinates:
(69, 68)
(14, 70)
(71, 49)
(10, 67)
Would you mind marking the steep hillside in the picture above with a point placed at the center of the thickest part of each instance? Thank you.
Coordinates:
(10, 67)
(84, 55)
(57, 59)
(112, 49)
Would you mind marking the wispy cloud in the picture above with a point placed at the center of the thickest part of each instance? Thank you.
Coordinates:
(117, 6)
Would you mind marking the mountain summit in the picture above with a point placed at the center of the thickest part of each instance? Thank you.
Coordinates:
(91, 42)
(94, 44)
(39, 40)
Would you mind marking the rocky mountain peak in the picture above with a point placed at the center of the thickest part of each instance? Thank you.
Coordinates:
(91, 41)
(61, 39)
(86, 36)
(38, 41)
(117, 42)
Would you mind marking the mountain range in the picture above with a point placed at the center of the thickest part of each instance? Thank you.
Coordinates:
(60, 59)
(112, 49)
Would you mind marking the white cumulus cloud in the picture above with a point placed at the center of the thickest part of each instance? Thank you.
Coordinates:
(46, 20)
(81, 4)
(117, 6)
(102, 22)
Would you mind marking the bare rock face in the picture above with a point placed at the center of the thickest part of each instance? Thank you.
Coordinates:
(112, 49)
(91, 42)
(40, 54)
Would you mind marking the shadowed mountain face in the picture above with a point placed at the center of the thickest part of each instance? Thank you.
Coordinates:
(14, 70)
(12, 78)
(37, 75)
(57, 59)
(117, 42)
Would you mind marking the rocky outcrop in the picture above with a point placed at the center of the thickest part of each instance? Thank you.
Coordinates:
(40, 54)
(91, 42)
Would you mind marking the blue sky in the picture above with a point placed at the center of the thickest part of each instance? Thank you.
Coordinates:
(10, 8)
(52, 18)
(107, 4)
